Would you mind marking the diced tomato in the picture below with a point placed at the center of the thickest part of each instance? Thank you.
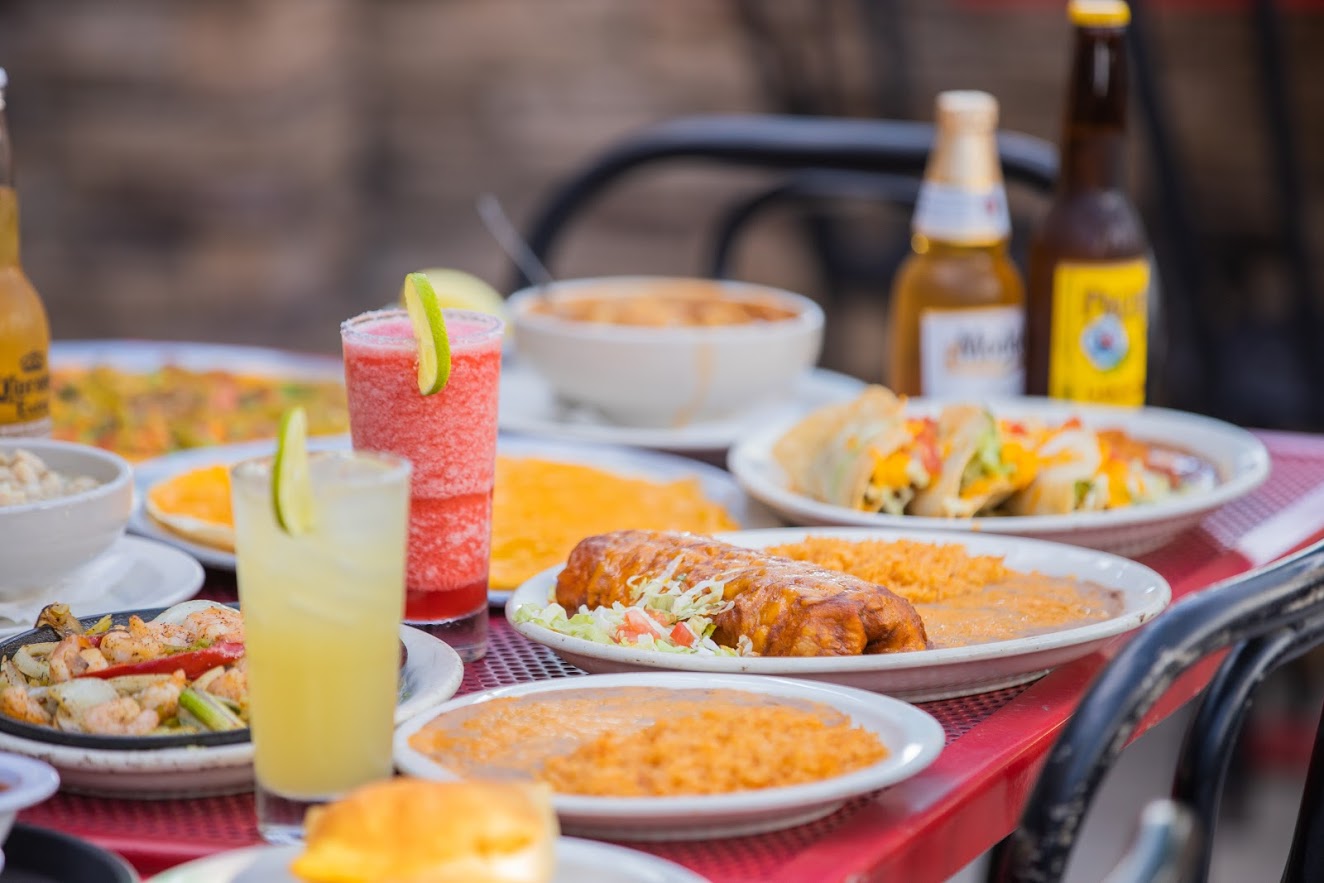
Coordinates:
(661, 617)
(926, 447)
(682, 635)
(634, 627)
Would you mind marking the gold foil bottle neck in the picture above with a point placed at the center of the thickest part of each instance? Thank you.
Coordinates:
(965, 152)
(967, 110)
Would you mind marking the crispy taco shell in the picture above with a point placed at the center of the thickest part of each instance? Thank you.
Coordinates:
(827, 455)
(961, 430)
(1068, 459)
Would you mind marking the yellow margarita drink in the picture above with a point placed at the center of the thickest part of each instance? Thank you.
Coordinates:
(322, 611)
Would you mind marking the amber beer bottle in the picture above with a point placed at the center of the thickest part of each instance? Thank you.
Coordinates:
(957, 312)
(1089, 270)
(24, 334)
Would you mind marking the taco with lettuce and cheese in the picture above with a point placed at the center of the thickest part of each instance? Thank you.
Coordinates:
(864, 454)
(983, 462)
(1083, 470)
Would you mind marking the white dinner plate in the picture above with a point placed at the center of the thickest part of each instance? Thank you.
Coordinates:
(577, 861)
(143, 356)
(919, 676)
(133, 574)
(528, 405)
(912, 737)
(149, 472)
(1239, 458)
(717, 484)
(431, 675)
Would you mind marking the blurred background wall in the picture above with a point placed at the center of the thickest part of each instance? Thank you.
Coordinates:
(256, 170)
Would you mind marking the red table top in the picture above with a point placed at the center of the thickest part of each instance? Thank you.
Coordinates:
(926, 828)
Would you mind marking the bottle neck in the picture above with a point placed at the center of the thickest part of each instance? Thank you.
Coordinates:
(1094, 143)
(8, 196)
(941, 248)
(962, 200)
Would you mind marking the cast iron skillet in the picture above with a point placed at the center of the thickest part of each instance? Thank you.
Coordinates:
(53, 736)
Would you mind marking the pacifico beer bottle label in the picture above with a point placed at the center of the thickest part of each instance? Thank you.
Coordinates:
(1099, 335)
(972, 352)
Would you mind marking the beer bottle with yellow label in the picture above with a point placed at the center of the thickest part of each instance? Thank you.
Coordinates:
(1089, 277)
(957, 312)
(24, 334)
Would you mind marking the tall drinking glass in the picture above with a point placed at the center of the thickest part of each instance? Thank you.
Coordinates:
(322, 613)
(450, 437)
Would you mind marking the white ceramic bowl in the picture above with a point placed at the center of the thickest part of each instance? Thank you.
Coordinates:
(24, 782)
(43, 542)
(666, 376)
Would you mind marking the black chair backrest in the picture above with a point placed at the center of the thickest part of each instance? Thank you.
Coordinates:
(1266, 618)
(817, 146)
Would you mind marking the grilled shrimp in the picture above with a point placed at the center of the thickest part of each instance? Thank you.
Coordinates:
(18, 703)
(138, 641)
(119, 717)
(216, 624)
(73, 656)
(163, 698)
(233, 684)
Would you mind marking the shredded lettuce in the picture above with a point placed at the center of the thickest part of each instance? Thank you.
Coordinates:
(988, 457)
(662, 603)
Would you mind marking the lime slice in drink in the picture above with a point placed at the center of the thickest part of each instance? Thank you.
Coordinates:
(291, 488)
(434, 351)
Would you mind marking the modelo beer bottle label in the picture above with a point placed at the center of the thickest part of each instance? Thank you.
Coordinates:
(1100, 326)
(972, 352)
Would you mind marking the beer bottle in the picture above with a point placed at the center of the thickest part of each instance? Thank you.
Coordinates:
(957, 311)
(24, 334)
(1089, 269)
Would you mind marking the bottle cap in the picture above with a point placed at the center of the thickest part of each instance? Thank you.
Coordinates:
(968, 109)
(1099, 13)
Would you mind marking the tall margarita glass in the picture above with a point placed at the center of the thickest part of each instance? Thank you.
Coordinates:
(450, 437)
(322, 613)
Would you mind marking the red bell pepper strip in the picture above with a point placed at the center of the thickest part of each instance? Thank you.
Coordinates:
(194, 663)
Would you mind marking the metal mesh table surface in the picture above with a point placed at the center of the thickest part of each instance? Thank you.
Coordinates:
(173, 829)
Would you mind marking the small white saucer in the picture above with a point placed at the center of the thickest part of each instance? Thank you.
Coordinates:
(576, 860)
(133, 574)
(528, 405)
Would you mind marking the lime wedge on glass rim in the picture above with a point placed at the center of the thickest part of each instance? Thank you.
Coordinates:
(434, 351)
(291, 486)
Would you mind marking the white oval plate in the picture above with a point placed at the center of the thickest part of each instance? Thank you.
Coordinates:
(577, 861)
(913, 739)
(921, 676)
(144, 356)
(717, 484)
(432, 674)
(1240, 459)
(529, 405)
(133, 574)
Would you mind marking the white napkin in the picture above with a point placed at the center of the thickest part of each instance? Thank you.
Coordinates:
(82, 585)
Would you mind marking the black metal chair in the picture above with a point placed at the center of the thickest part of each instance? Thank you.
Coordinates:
(826, 158)
(1265, 619)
